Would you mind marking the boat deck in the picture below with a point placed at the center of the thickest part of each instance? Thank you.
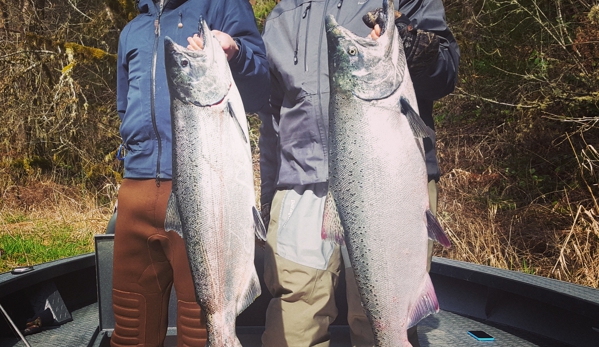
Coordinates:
(517, 309)
(443, 329)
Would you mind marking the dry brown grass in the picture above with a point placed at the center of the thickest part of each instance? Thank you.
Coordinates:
(501, 215)
(554, 241)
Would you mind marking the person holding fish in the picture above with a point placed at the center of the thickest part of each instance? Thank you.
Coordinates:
(301, 266)
(148, 261)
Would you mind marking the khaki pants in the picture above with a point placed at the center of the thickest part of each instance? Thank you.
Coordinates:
(303, 304)
(147, 261)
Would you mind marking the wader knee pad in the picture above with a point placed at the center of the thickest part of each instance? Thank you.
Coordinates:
(191, 325)
(129, 316)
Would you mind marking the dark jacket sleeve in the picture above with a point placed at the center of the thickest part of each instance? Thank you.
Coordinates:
(268, 143)
(441, 78)
(249, 67)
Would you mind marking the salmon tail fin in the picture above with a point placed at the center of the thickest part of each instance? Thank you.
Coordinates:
(419, 128)
(426, 304)
(435, 231)
(332, 230)
(172, 221)
(250, 293)
(259, 228)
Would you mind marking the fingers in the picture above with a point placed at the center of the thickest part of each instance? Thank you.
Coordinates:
(227, 43)
(196, 42)
(376, 32)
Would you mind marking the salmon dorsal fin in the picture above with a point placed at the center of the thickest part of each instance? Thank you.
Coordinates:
(419, 128)
(259, 228)
(172, 221)
(332, 230)
(426, 304)
(435, 231)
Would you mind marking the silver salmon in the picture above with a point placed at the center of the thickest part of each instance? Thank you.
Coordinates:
(212, 204)
(378, 179)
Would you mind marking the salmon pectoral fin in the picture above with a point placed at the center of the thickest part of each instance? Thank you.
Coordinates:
(419, 128)
(426, 304)
(435, 231)
(250, 293)
(236, 120)
(332, 230)
(172, 221)
(259, 228)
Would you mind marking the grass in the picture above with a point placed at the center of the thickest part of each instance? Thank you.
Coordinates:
(51, 226)
(506, 218)
(553, 240)
(42, 243)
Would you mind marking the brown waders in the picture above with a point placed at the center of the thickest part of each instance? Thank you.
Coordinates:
(147, 262)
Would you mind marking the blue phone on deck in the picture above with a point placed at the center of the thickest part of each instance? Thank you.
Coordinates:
(480, 335)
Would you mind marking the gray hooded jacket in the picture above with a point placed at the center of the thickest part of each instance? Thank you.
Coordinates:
(293, 135)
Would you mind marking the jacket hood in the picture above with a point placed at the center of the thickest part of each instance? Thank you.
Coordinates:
(147, 6)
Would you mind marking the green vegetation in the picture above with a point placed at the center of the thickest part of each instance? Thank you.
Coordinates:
(24, 242)
(261, 10)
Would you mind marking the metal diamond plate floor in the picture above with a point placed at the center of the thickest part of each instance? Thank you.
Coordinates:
(76, 333)
(444, 329)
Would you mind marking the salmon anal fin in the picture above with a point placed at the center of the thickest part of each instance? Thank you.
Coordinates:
(172, 221)
(426, 304)
(435, 231)
(250, 294)
(259, 228)
(332, 230)
(419, 128)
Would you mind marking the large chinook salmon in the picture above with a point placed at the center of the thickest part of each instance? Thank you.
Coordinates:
(212, 204)
(378, 179)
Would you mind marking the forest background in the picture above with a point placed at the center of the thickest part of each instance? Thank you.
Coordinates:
(518, 139)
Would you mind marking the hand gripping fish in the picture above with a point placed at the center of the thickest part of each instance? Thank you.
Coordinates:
(378, 203)
(212, 204)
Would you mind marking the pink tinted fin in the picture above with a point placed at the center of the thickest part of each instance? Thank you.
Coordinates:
(332, 230)
(426, 304)
(435, 231)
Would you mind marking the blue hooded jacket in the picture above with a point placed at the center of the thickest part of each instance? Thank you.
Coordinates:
(143, 100)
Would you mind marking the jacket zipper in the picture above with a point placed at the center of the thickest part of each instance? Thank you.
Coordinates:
(153, 87)
(307, 13)
(297, 38)
(297, 34)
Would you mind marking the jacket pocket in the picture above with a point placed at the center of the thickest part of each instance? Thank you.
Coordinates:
(303, 142)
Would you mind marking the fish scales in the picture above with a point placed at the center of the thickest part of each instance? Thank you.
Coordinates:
(212, 204)
(378, 178)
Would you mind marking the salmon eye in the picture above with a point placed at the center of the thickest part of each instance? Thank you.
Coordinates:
(352, 50)
(184, 63)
